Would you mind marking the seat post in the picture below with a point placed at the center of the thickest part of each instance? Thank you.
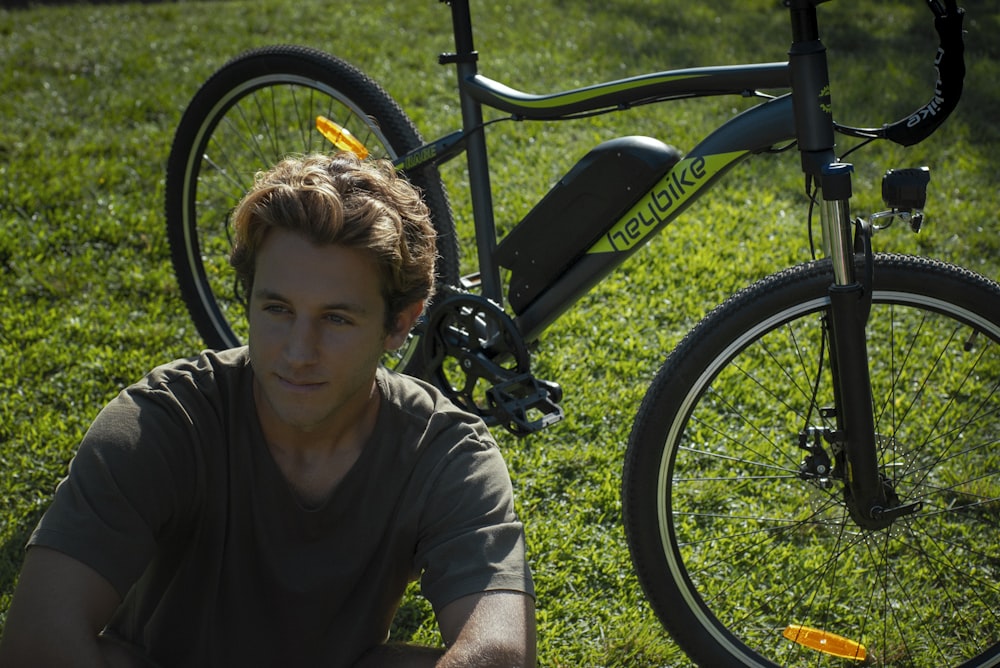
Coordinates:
(461, 20)
(465, 60)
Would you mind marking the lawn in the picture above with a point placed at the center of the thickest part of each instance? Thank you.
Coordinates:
(90, 96)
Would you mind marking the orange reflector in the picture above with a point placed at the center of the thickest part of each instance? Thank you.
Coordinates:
(826, 642)
(340, 137)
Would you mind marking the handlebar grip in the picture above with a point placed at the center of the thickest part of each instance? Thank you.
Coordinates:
(950, 64)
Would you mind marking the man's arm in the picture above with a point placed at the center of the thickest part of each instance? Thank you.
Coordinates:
(59, 608)
(489, 629)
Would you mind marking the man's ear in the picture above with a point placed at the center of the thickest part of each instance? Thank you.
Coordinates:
(404, 323)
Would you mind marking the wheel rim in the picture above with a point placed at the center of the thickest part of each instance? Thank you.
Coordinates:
(256, 124)
(729, 512)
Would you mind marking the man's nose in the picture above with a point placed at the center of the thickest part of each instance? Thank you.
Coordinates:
(302, 345)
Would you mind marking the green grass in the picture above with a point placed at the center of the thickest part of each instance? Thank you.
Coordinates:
(90, 95)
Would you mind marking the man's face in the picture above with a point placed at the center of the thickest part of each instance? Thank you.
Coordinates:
(317, 333)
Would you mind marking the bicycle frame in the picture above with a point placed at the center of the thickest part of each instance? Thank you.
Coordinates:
(712, 454)
(757, 130)
(802, 115)
(754, 131)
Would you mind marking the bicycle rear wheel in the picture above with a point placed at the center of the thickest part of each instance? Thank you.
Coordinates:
(257, 109)
(737, 533)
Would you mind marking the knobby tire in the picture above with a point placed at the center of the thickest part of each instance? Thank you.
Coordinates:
(733, 542)
(255, 110)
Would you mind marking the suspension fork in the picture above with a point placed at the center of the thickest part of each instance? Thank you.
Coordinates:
(847, 320)
(871, 499)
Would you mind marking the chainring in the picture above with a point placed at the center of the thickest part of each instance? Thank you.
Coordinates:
(470, 345)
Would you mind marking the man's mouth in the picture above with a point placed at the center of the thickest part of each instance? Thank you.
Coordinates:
(299, 384)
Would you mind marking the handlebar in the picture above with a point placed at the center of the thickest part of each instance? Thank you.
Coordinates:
(950, 64)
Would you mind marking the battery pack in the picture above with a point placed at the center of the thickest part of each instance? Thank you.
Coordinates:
(587, 201)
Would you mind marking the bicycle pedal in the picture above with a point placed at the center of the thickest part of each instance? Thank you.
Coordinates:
(524, 404)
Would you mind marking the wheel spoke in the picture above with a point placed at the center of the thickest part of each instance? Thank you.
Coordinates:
(754, 537)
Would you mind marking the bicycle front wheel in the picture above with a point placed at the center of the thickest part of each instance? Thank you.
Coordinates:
(734, 502)
(258, 108)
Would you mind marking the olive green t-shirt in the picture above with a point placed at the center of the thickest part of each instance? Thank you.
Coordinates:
(175, 499)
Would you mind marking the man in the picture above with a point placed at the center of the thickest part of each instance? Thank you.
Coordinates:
(267, 506)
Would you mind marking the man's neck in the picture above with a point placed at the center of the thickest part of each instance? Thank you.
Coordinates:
(315, 461)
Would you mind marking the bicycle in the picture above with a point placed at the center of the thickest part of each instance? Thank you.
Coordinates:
(833, 421)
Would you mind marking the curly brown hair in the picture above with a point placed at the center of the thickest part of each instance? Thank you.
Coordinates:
(342, 200)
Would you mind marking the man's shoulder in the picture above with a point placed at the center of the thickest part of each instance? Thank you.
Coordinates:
(208, 369)
(414, 395)
(400, 389)
(421, 403)
(200, 387)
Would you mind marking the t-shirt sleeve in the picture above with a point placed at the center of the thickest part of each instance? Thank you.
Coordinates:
(126, 484)
(471, 540)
